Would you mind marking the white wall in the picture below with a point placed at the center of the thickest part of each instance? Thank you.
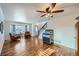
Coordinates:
(64, 30)
(1, 35)
(65, 36)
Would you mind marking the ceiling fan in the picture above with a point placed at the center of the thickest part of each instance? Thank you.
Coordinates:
(49, 10)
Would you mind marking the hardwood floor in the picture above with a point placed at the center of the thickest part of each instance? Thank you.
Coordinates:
(34, 47)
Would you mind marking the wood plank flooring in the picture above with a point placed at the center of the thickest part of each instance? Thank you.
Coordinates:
(33, 47)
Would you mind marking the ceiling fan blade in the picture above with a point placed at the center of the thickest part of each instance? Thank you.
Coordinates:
(43, 15)
(41, 11)
(47, 9)
(53, 5)
(57, 11)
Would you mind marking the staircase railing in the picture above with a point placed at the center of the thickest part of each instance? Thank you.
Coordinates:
(42, 28)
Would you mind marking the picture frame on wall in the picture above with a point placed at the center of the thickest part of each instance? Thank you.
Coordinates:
(1, 27)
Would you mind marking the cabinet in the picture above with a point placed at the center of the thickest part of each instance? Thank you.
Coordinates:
(48, 36)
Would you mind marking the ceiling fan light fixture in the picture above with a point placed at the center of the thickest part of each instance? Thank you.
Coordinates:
(51, 15)
(48, 14)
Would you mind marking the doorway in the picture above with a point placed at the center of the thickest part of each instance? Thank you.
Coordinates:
(77, 37)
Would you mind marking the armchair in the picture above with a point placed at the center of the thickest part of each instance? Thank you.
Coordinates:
(14, 37)
(27, 35)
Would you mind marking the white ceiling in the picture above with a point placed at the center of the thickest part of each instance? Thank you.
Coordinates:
(26, 12)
